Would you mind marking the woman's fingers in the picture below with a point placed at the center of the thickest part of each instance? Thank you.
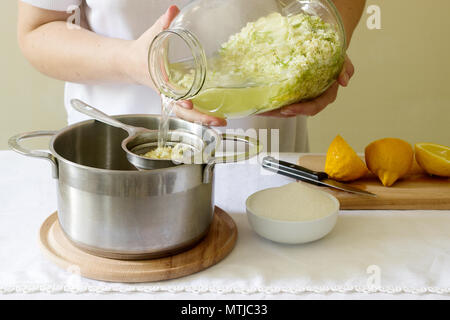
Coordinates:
(307, 108)
(186, 104)
(313, 107)
(193, 115)
(136, 52)
(327, 98)
(166, 19)
(276, 113)
(350, 67)
(347, 72)
(161, 24)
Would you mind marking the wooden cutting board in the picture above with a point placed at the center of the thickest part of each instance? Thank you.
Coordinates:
(417, 191)
(216, 245)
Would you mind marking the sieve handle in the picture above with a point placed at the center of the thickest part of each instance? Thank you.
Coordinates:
(14, 144)
(92, 112)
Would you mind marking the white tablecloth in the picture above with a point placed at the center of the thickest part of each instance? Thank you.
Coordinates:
(370, 254)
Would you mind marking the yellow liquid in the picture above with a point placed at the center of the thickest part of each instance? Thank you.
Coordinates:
(237, 102)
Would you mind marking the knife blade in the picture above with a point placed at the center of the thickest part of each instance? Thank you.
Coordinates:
(317, 178)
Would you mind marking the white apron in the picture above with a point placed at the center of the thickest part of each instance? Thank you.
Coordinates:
(128, 19)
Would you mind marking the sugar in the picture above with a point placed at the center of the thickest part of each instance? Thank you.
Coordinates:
(293, 202)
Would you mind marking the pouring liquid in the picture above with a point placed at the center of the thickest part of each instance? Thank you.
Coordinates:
(166, 150)
(167, 105)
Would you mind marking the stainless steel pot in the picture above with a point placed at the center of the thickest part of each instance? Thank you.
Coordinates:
(109, 208)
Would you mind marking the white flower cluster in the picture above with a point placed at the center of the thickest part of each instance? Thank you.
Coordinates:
(167, 152)
(294, 58)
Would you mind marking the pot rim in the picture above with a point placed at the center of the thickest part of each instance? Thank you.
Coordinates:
(110, 171)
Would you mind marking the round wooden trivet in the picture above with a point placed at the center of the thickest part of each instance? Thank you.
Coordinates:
(217, 244)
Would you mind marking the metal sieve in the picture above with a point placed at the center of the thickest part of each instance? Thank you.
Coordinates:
(200, 141)
(142, 140)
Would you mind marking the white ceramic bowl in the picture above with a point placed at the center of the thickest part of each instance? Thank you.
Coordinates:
(292, 232)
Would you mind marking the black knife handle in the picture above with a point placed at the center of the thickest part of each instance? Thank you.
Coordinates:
(292, 170)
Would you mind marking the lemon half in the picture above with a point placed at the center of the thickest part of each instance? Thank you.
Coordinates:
(433, 158)
(342, 162)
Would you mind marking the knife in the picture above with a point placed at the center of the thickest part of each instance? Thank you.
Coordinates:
(300, 173)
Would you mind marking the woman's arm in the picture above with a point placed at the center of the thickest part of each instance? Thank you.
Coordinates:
(82, 56)
(350, 11)
(76, 54)
(79, 55)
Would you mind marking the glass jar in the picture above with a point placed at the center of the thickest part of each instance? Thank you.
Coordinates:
(236, 58)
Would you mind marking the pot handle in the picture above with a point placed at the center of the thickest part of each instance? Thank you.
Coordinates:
(14, 144)
(255, 147)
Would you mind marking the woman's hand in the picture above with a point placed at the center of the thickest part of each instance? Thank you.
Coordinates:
(137, 70)
(184, 110)
(135, 55)
(313, 107)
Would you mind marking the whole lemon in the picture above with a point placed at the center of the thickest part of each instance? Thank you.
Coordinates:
(342, 162)
(390, 159)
